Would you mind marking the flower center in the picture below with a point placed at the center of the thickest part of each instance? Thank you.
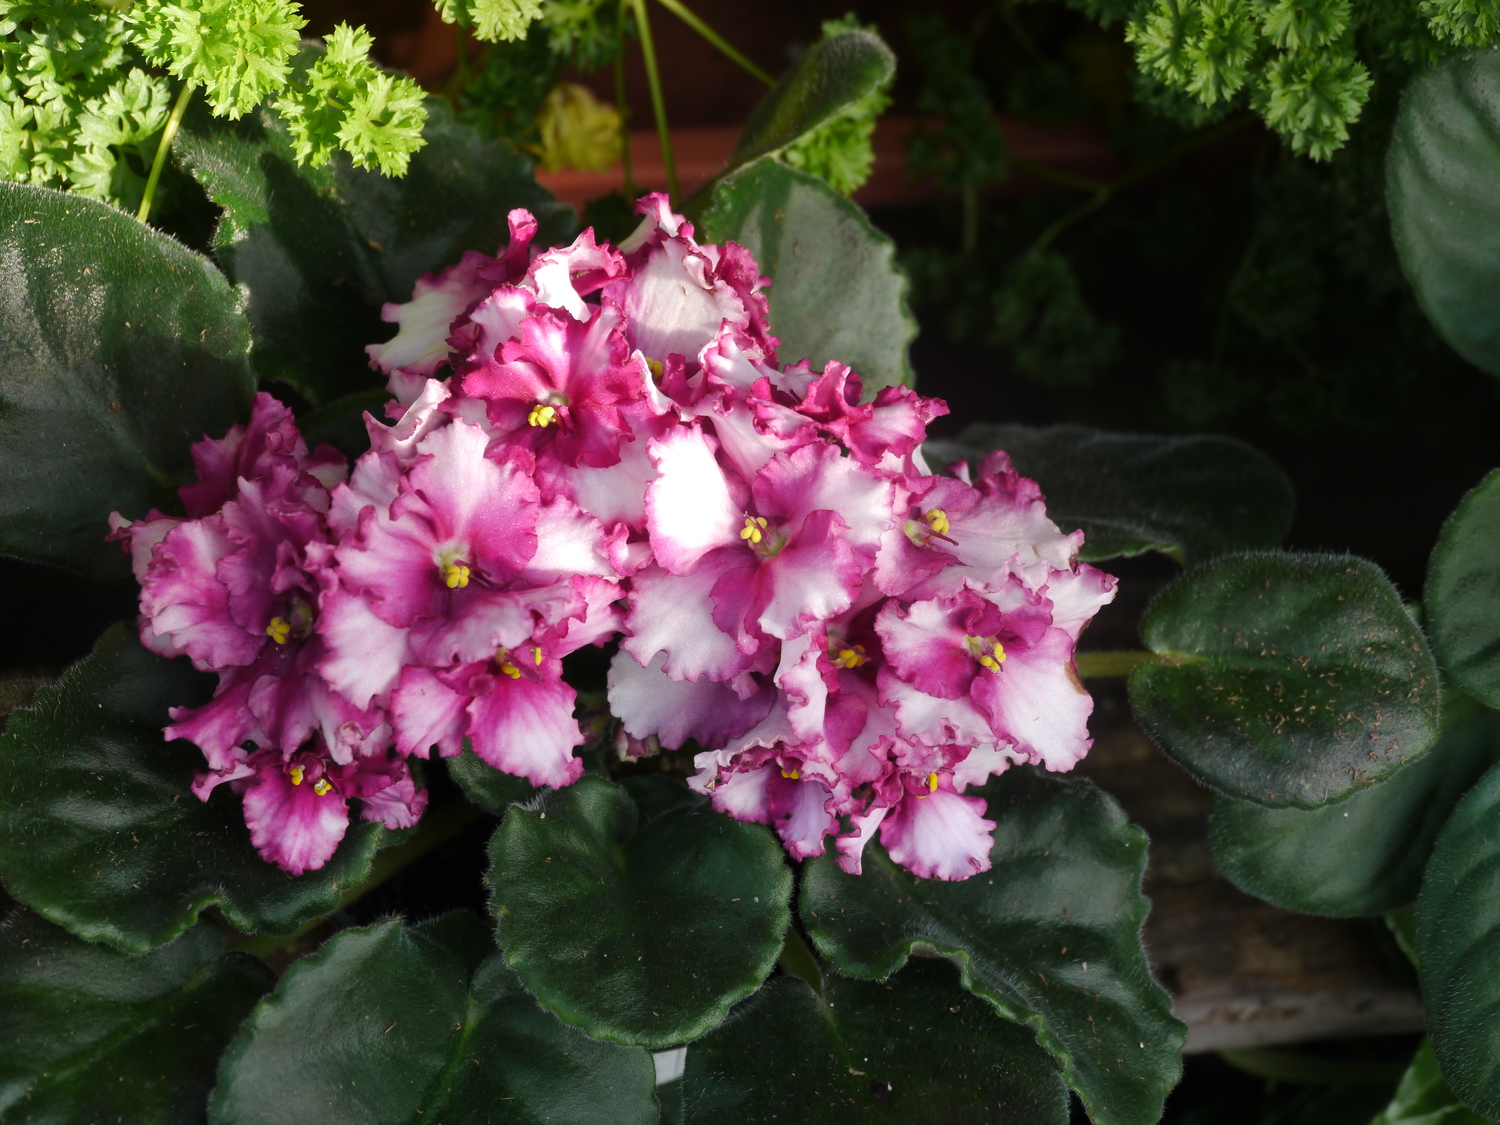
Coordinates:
(541, 415)
(321, 787)
(933, 524)
(299, 626)
(757, 535)
(848, 656)
(455, 576)
(932, 784)
(505, 659)
(989, 652)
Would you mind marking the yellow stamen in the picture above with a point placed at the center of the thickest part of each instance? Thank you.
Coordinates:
(541, 415)
(295, 773)
(931, 783)
(536, 653)
(851, 657)
(279, 630)
(510, 670)
(656, 367)
(321, 786)
(793, 776)
(455, 576)
(752, 529)
(1000, 652)
(937, 519)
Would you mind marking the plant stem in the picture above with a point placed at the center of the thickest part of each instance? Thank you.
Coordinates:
(1103, 192)
(436, 829)
(677, 9)
(658, 103)
(969, 240)
(163, 147)
(623, 108)
(1098, 665)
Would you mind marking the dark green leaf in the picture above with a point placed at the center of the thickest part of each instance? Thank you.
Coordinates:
(90, 1034)
(1462, 597)
(1050, 935)
(391, 1024)
(1189, 497)
(1288, 680)
(492, 790)
(640, 921)
(100, 833)
(118, 349)
(1458, 947)
(912, 1049)
(1365, 854)
(829, 77)
(1423, 1098)
(1443, 191)
(320, 249)
(837, 292)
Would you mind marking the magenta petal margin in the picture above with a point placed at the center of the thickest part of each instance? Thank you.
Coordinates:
(595, 442)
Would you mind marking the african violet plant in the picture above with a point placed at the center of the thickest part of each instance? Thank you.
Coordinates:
(832, 693)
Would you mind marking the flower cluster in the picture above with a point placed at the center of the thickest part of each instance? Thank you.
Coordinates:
(591, 441)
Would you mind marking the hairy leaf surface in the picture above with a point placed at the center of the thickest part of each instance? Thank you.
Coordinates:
(1462, 596)
(827, 78)
(99, 830)
(1365, 854)
(1050, 936)
(1289, 680)
(119, 348)
(1189, 497)
(915, 1049)
(637, 914)
(836, 290)
(93, 1034)
(1458, 947)
(1442, 172)
(391, 1023)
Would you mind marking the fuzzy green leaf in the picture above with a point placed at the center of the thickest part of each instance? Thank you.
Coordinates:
(1288, 680)
(118, 349)
(912, 1050)
(93, 1034)
(829, 79)
(1365, 854)
(836, 290)
(685, 907)
(1050, 936)
(321, 249)
(100, 832)
(1423, 1098)
(417, 1025)
(1458, 947)
(1189, 497)
(1443, 191)
(1462, 596)
(492, 790)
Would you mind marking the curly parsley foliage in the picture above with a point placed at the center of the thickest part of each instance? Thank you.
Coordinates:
(1297, 62)
(343, 102)
(840, 152)
(86, 89)
(494, 21)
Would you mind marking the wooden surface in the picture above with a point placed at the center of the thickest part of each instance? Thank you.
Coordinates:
(1242, 973)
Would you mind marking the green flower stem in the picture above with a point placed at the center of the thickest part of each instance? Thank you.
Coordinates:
(1103, 192)
(1098, 665)
(163, 147)
(436, 829)
(623, 109)
(797, 960)
(658, 103)
(677, 9)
